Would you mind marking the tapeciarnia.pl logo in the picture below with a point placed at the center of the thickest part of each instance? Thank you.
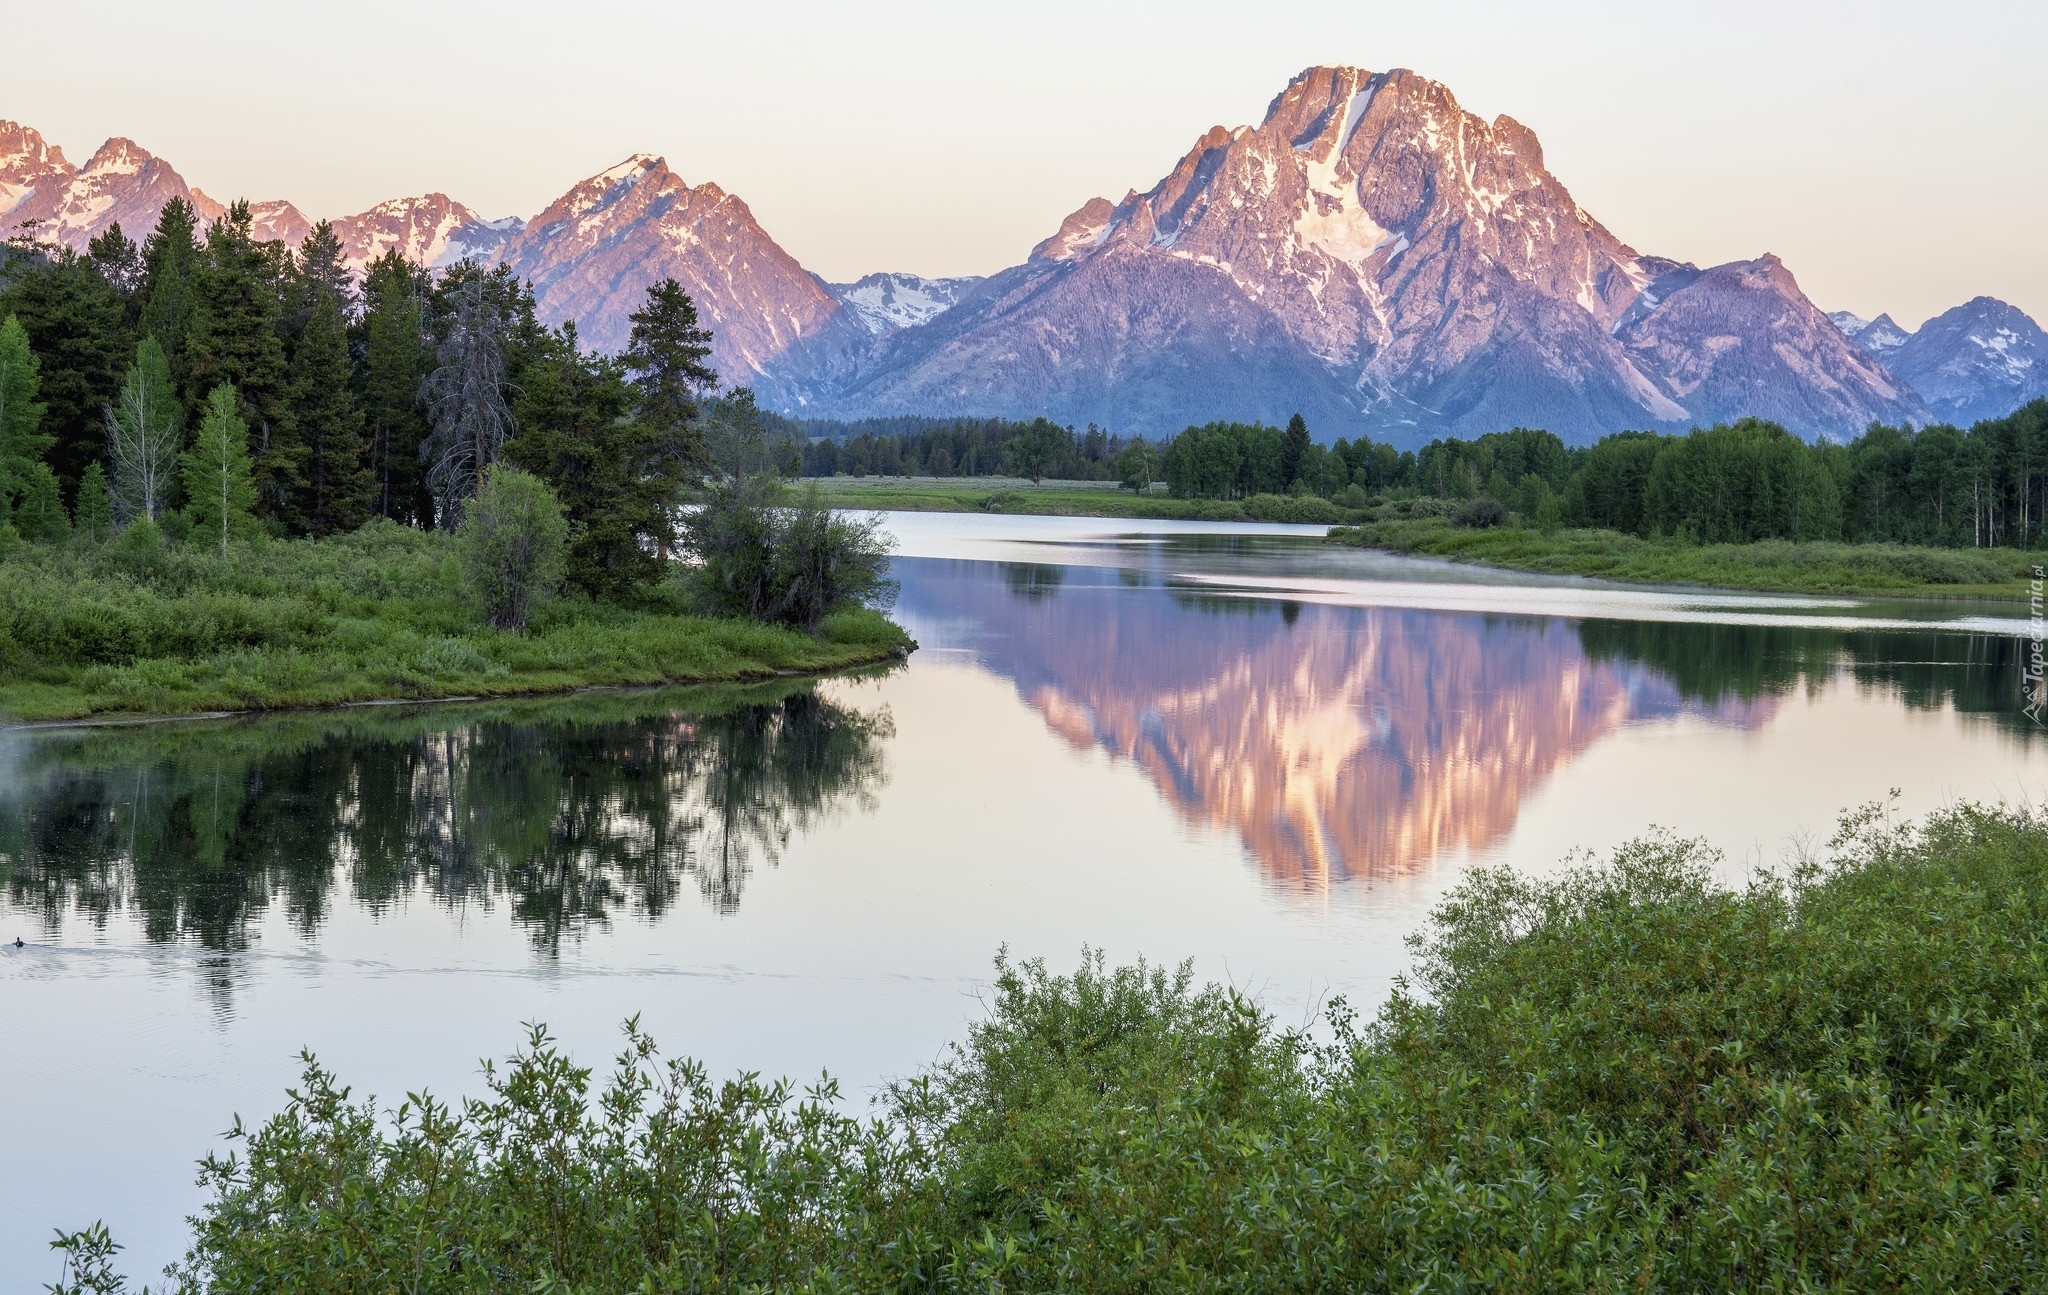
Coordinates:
(2036, 687)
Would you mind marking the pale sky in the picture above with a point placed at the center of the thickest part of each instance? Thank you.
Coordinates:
(1894, 155)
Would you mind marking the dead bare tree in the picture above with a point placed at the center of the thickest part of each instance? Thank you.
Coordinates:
(465, 399)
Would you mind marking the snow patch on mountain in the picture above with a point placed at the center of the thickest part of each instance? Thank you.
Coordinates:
(888, 302)
(1876, 336)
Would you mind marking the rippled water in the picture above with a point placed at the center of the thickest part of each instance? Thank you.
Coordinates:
(1246, 748)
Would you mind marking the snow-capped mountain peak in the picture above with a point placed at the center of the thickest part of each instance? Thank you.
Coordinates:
(1369, 254)
(1982, 359)
(118, 156)
(432, 230)
(1874, 335)
(632, 170)
(24, 151)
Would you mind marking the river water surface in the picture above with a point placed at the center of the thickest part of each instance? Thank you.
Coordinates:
(1229, 744)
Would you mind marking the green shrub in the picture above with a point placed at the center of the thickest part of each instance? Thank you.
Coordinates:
(1310, 509)
(1624, 1077)
(762, 555)
(512, 542)
(1480, 515)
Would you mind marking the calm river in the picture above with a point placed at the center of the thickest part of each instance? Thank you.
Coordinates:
(1244, 748)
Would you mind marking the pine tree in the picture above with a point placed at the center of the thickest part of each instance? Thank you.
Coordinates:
(145, 432)
(339, 485)
(22, 441)
(220, 484)
(119, 262)
(397, 359)
(1293, 450)
(668, 354)
(234, 340)
(25, 479)
(321, 272)
(39, 512)
(579, 433)
(94, 514)
(73, 318)
(167, 296)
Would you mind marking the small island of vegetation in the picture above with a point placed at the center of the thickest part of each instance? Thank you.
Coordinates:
(233, 478)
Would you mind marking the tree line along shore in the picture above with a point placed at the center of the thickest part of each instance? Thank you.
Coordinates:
(1934, 510)
(232, 475)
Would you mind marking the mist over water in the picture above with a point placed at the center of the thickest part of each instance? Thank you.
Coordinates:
(1245, 748)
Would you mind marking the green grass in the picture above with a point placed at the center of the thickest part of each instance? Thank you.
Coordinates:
(1016, 496)
(1626, 1077)
(90, 629)
(1776, 566)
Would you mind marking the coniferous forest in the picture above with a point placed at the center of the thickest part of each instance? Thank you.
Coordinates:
(233, 473)
(378, 398)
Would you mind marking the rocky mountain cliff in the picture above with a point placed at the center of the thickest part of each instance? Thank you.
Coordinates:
(1378, 257)
(1371, 255)
(1982, 359)
(434, 230)
(121, 183)
(592, 253)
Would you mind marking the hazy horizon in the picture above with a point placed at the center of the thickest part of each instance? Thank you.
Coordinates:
(1881, 153)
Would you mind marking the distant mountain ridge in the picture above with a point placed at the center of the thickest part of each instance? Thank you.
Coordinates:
(1370, 254)
(1980, 360)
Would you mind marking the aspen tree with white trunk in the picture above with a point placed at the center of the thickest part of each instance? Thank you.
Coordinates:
(145, 432)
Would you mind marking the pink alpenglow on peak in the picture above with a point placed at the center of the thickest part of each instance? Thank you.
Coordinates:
(1369, 254)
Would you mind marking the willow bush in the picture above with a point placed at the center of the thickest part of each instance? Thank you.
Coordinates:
(1626, 1077)
(765, 553)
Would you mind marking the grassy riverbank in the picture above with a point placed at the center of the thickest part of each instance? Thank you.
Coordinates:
(1017, 496)
(1624, 1077)
(153, 628)
(1773, 566)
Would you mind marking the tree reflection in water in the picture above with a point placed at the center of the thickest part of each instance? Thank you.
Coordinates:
(567, 813)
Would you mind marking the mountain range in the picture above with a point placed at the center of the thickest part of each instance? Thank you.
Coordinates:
(1370, 254)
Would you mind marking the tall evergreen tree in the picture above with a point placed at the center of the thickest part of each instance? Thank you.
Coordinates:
(95, 510)
(321, 271)
(22, 441)
(397, 356)
(235, 339)
(168, 295)
(338, 483)
(1293, 451)
(39, 512)
(74, 321)
(145, 432)
(119, 262)
(669, 354)
(220, 484)
(613, 471)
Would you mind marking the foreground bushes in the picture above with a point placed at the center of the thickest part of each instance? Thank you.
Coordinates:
(1625, 1078)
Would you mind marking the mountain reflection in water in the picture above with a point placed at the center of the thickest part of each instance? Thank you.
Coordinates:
(565, 813)
(1340, 742)
(1334, 741)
